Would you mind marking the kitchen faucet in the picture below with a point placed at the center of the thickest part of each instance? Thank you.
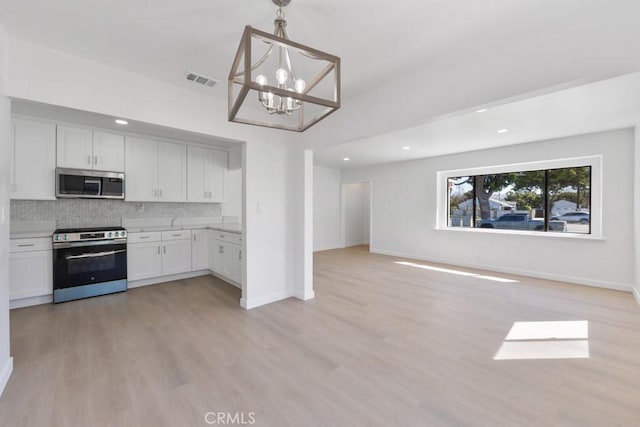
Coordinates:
(173, 220)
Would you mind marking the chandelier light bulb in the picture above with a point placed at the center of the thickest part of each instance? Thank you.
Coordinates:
(282, 76)
(261, 80)
(300, 85)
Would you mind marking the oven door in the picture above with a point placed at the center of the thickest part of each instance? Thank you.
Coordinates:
(85, 265)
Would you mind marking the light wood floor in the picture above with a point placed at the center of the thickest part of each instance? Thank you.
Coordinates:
(382, 344)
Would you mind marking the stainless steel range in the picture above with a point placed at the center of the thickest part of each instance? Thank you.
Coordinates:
(88, 262)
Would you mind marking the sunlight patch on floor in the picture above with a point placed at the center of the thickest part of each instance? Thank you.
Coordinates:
(457, 272)
(546, 340)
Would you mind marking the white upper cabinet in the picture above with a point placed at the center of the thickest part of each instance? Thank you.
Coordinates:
(75, 148)
(206, 175)
(33, 170)
(197, 158)
(80, 148)
(155, 171)
(108, 152)
(215, 174)
(172, 168)
(141, 171)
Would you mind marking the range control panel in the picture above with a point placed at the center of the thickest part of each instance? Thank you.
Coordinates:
(81, 236)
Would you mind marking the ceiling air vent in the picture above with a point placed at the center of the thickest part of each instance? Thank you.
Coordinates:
(200, 79)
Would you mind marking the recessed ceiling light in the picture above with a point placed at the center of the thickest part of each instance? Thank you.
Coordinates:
(346, 159)
(406, 148)
(503, 130)
(122, 122)
(482, 110)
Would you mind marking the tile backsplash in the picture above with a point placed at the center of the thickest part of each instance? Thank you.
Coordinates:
(70, 213)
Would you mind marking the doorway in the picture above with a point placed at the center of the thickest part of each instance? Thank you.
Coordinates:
(356, 213)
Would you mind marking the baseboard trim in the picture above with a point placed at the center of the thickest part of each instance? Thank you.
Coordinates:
(248, 304)
(328, 248)
(28, 302)
(519, 272)
(5, 374)
(636, 293)
(170, 278)
(305, 296)
(349, 244)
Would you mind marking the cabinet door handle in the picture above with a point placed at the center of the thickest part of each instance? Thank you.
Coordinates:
(240, 255)
(160, 191)
(144, 237)
(165, 249)
(221, 250)
(194, 238)
(158, 250)
(95, 160)
(89, 159)
(26, 245)
(204, 194)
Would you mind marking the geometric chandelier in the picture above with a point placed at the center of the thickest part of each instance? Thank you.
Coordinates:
(278, 83)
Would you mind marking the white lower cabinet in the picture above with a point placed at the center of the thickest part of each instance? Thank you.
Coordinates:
(157, 254)
(199, 250)
(30, 268)
(144, 260)
(176, 257)
(217, 256)
(226, 256)
(236, 263)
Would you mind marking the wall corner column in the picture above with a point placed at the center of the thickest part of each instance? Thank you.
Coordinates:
(636, 210)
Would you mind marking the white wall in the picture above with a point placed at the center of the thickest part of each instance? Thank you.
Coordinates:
(5, 136)
(326, 208)
(44, 75)
(404, 215)
(356, 213)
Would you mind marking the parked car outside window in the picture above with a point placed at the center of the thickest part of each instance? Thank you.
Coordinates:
(581, 217)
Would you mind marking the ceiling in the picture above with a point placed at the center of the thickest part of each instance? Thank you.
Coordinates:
(605, 105)
(379, 42)
(403, 63)
(105, 122)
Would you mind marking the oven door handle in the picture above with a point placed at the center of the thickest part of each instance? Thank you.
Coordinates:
(95, 255)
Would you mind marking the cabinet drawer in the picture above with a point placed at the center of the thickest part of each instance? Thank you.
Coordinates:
(227, 237)
(29, 245)
(176, 235)
(144, 237)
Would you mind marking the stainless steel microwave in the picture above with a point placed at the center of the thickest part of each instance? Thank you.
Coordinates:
(89, 184)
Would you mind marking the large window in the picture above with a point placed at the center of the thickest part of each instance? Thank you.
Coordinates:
(553, 200)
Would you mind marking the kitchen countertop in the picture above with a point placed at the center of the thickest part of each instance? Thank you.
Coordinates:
(230, 228)
(31, 234)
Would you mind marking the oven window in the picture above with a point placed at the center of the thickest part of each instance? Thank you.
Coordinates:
(92, 264)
